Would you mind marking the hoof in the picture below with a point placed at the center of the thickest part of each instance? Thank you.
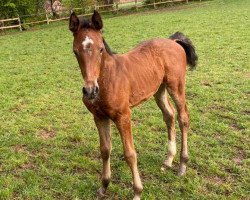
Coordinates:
(182, 170)
(136, 197)
(181, 173)
(167, 164)
(101, 192)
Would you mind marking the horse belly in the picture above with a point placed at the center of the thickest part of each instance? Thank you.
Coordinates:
(145, 82)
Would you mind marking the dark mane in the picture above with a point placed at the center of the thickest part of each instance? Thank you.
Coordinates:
(108, 49)
(86, 23)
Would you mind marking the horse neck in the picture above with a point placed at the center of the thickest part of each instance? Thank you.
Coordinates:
(108, 66)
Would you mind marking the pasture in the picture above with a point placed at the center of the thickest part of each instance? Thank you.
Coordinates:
(49, 146)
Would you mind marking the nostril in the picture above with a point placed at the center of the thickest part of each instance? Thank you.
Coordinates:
(90, 92)
(96, 90)
(84, 91)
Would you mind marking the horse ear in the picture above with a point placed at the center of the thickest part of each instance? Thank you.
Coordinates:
(73, 22)
(97, 20)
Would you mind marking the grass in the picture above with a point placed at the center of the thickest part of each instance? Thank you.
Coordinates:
(49, 146)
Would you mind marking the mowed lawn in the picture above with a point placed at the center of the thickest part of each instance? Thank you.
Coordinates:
(49, 146)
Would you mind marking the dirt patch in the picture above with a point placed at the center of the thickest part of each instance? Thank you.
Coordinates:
(191, 95)
(239, 157)
(246, 112)
(23, 167)
(78, 170)
(46, 134)
(158, 129)
(26, 166)
(217, 135)
(136, 122)
(215, 180)
(20, 148)
(23, 149)
(235, 126)
(205, 83)
(217, 107)
(19, 107)
(76, 140)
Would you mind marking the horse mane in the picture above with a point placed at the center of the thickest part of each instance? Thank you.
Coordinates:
(108, 49)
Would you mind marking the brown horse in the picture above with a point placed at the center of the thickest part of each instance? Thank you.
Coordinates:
(116, 83)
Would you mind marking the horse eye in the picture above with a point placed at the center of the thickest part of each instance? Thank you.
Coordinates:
(101, 50)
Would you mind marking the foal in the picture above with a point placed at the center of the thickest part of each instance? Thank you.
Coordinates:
(116, 83)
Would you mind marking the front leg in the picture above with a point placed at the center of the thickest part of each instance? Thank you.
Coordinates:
(103, 126)
(123, 123)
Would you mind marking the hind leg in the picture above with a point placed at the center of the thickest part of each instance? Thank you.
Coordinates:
(168, 113)
(177, 92)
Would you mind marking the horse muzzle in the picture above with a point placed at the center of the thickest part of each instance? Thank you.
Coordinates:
(90, 92)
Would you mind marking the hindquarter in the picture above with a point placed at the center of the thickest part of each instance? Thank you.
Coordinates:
(175, 64)
(152, 63)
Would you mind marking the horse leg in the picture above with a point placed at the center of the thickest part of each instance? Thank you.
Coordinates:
(123, 123)
(178, 95)
(103, 126)
(168, 113)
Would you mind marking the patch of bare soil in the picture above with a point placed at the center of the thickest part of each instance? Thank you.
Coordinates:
(20, 148)
(216, 180)
(239, 157)
(235, 126)
(246, 112)
(26, 166)
(205, 83)
(46, 134)
(217, 107)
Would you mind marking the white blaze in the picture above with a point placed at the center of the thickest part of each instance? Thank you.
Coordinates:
(86, 42)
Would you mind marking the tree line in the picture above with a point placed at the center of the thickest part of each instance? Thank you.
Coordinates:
(12, 8)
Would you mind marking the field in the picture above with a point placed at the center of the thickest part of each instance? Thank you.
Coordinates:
(49, 146)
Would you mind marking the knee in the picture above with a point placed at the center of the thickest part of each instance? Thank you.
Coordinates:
(169, 117)
(186, 123)
(130, 156)
(184, 120)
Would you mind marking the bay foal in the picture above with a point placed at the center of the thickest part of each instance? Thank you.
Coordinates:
(113, 84)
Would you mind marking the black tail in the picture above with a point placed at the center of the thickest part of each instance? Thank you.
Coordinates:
(188, 46)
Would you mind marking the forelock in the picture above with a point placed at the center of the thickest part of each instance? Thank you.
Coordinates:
(86, 23)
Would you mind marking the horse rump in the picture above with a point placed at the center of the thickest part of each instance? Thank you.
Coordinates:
(188, 46)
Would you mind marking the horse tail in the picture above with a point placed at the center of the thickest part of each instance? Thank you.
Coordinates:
(188, 46)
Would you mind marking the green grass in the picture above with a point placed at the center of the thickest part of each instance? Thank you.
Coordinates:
(49, 146)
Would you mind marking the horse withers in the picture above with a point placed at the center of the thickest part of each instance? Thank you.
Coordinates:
(114, 83)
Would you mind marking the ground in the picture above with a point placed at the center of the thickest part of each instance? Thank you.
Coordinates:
(49, 145)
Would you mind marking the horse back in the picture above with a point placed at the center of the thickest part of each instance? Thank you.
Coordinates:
(150, 64)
